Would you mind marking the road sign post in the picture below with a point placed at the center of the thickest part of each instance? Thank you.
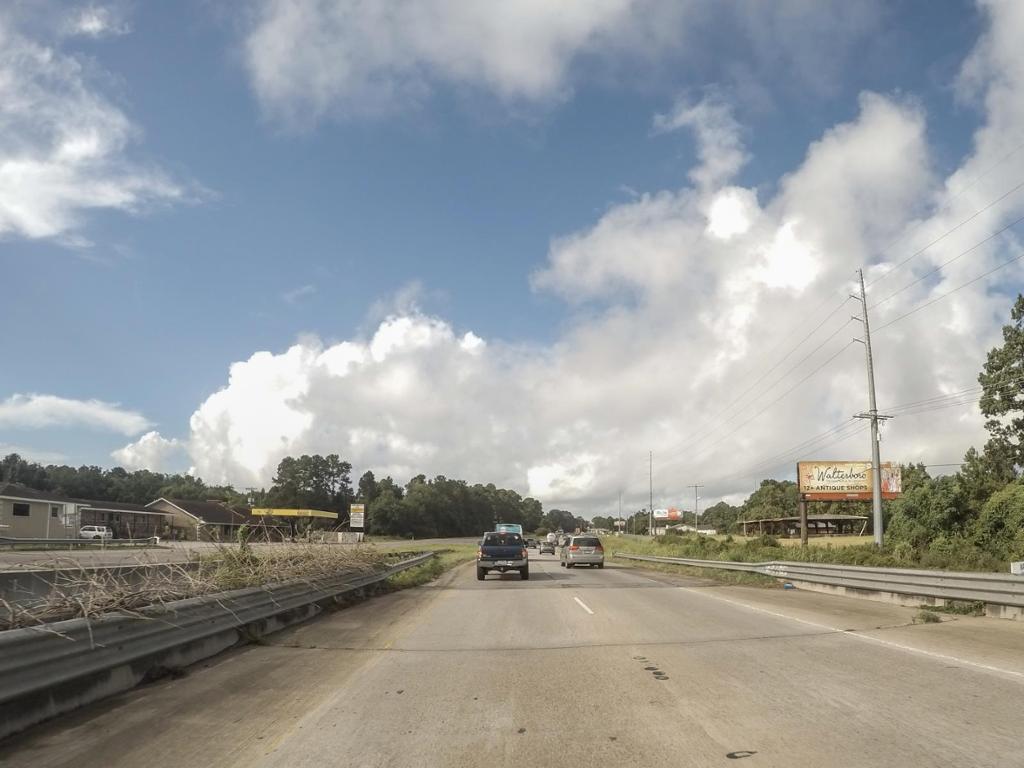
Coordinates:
(357, 516)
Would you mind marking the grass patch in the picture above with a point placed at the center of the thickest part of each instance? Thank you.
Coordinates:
(927, 617)
(956, 556)
(443, 561)
(712, 574)
(959, 608)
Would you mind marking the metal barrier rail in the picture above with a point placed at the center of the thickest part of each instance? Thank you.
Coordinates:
(6, 541)
(48, 670)
(992, 588)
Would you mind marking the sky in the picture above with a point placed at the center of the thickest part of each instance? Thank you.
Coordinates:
(527, 244)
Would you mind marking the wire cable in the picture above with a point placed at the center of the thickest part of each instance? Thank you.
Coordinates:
(945, 264)
(948, 232)
(937, 299)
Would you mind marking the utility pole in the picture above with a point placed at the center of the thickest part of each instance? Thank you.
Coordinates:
(650, 475)
(696, 504)
(872, 415)
(617, 529)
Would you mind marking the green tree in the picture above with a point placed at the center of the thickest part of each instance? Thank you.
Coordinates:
(14, 469)
(999, 529)
(313, 482)
(721, 516)
(1002, 382)
(368, 487)
(774, 498)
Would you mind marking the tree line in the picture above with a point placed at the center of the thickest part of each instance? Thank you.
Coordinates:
(421, 508)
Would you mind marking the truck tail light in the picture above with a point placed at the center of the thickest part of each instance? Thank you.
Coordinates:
(479, 553)
(524, 553)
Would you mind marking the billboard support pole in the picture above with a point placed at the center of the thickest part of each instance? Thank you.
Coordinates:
(803, 521)
(872, 414)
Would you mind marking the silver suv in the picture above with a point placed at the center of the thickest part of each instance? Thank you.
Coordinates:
(95, 532)
(582, 550)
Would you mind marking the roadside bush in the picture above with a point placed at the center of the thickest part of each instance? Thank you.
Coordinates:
(1000, 526)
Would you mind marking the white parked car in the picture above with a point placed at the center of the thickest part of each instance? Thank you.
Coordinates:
(95, 532)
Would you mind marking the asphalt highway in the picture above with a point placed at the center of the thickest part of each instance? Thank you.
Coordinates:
(613, 667)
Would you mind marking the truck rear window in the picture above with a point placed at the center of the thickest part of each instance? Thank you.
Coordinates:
(587, 541)
(503, 540)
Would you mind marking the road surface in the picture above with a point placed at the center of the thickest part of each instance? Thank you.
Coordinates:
(613, 667)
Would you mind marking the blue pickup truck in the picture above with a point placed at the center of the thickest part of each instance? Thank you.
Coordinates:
(502, 551)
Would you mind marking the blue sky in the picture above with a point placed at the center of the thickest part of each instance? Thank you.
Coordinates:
(301, 216)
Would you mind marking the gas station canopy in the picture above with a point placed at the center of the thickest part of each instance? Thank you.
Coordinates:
(269, 512)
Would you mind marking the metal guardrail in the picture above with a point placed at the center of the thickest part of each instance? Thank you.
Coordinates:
(991, 588)
(6, 541)
(48, 670)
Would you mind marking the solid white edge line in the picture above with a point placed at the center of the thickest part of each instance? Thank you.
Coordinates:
(860, 636)
(583, 606)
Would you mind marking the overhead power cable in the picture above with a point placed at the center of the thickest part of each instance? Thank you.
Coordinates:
(945, 264)
(947, 233)
(764, 409)
(937, 299)
(997, 164)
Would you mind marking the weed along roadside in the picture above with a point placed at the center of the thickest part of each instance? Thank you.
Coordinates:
(122, 635)
(443, 561)
(767, 548)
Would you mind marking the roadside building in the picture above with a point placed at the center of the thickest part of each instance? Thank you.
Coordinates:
(26, 513)
(192, 520)
(127, 521)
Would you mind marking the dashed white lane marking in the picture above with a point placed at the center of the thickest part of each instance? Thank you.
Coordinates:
(866, 638)
(583, 606)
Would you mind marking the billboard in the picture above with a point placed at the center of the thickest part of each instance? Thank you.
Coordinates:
(845, 480)
(357, 515)
(671, 514)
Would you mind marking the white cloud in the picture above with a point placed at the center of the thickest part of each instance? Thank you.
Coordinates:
(36, 411)
(151, 451)
(719, 143)
(732, 212)
(63, 145)
(344, 58)
(97, 21)
(311, 59)
(295, 294)
(690, 296)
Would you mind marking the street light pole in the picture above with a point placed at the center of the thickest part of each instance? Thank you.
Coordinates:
(696, 504)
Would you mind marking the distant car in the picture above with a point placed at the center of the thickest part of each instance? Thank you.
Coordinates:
(546, 546)
(501, 551)
(95, 532)
(531, 543)
(582, 550)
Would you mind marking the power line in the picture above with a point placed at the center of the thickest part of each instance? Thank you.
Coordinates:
(709, 427)
(947, 233)
(1007, 263)
(702, 434)
(945, 264)
(764, 409)
(998, 163)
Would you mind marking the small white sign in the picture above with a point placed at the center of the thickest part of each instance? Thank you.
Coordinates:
(357, 520)
(1017, 569)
